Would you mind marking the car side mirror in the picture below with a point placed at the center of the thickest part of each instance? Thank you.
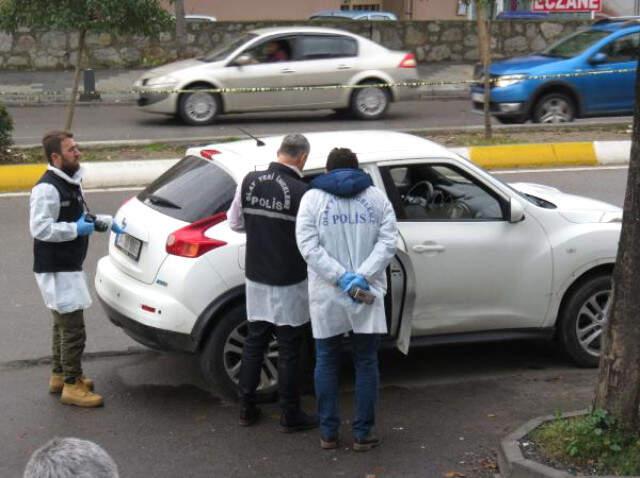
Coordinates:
(242, 60)
(516, 211)
(599, 58)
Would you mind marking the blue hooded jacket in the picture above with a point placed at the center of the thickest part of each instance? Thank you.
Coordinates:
(346, 182)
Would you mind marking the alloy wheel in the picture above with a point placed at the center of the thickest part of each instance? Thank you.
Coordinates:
(371, 101)
(200, 107)
(591, 319)
(232, 354)
(556, 110)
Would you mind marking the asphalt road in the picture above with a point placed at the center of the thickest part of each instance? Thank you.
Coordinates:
(442, 409)
(125, 122)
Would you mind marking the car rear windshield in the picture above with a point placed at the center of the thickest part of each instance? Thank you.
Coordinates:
(191, 190)
(227, 49)
(575, 44)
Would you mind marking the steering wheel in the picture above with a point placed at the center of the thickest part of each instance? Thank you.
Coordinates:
(409, 198)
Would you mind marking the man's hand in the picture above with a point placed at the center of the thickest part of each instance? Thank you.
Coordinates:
(84, 227)
(344, 283)
(360, 282)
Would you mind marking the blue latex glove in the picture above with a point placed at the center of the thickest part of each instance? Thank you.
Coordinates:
(358, 281)
(84, 228)
(117, 229)
(345, 281)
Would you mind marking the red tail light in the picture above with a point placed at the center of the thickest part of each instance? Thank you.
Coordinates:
(409, 61)
(190, 241)
(209, 153)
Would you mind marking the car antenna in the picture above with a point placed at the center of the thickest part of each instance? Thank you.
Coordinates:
(259, 142)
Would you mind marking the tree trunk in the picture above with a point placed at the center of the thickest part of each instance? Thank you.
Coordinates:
(181, 30)
(618, 388)
(484, 45)
(76, 81)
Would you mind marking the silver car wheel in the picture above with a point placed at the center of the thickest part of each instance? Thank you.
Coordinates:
(200, 107)
(371, 101)
(591, 319)
(556, 110)
(232, 356)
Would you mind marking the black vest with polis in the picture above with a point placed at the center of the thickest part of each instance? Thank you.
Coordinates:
(62, 256)
(270, 202)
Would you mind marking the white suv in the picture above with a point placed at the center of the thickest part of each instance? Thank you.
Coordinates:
(478, 259)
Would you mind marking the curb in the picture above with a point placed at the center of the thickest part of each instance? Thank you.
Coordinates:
(512, 462)
(138, 173)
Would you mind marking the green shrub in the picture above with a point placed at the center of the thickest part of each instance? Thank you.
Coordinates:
(6, 128)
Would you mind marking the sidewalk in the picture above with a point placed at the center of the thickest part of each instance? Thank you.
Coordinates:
(114, 86)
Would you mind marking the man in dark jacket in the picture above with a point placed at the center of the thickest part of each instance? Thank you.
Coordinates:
(265, 207)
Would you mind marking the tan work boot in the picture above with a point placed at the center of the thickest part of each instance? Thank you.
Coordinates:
(77, 394)
(56, 382)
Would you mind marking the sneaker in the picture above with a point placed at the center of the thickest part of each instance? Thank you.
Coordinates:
(328, 443)
(79, 395)
(249, 416)
(366, 443)
(297, 422)
(56, 383)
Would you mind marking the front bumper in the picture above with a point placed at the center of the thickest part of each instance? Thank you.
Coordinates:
(160, 101)
(509, 108)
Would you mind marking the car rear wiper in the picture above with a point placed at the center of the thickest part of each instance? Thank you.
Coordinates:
(160, 201)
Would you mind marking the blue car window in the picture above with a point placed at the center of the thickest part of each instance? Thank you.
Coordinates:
(623, 49)
(575, 44)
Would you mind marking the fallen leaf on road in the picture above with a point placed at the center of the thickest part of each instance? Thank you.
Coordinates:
(454, 474)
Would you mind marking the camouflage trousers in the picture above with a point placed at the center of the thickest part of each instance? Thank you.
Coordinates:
(69, 337)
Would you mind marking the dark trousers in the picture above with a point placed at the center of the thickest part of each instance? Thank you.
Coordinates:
(68, 342)
(253, 354)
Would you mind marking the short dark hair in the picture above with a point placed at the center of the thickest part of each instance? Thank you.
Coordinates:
(294, 145)
(52, 142)
(342, 158)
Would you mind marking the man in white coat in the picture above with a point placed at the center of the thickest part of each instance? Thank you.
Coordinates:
(346, 231)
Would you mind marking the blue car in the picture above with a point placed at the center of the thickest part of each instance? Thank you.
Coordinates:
(552, 87)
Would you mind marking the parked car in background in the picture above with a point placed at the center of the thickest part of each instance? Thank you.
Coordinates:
(477, 259)
(596, 70)
(197, 18)
(325, 63)
(352, 15)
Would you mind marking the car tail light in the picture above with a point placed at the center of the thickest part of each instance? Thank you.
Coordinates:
(190, 241)
(209, 153)
(409, 61)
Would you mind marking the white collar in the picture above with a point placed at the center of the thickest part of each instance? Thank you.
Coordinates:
(76, 179)
(295, 168)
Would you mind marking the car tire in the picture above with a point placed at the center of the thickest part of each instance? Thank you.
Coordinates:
(511, 119)
(220, 358)
(199, 108)
(554, 108)
(369, 102)
(583, 317)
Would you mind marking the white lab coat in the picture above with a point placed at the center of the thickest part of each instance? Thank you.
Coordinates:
(337, 235)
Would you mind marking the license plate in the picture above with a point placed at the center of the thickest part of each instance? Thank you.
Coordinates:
(477, 97)
(129, 245)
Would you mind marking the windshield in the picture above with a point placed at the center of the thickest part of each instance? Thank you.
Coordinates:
(224, 51)
(575, 44)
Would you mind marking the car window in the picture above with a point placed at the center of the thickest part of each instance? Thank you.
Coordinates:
(439, 192)
(190, 190)
(625, 48)
(273, 50)
(317, 47)
(575, 44)
(224, 51)
(379, 17)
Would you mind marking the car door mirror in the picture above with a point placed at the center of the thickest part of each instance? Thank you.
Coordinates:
(599, 58)
(516, 211)
(244, 59)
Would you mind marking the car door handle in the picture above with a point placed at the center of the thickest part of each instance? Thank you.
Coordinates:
(287, 70)
(344, 67)
(428, 248)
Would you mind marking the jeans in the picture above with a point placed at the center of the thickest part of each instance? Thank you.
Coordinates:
(365, 361)
(289, 342)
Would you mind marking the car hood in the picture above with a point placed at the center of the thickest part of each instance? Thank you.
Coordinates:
(577, 209)
(521, 64)
(173, 67)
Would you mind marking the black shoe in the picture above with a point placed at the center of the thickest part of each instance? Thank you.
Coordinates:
(366, 443)
(328, 443)
(249, 416)
(297, 422)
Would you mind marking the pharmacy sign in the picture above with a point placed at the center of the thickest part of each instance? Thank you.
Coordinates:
(571, 6)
